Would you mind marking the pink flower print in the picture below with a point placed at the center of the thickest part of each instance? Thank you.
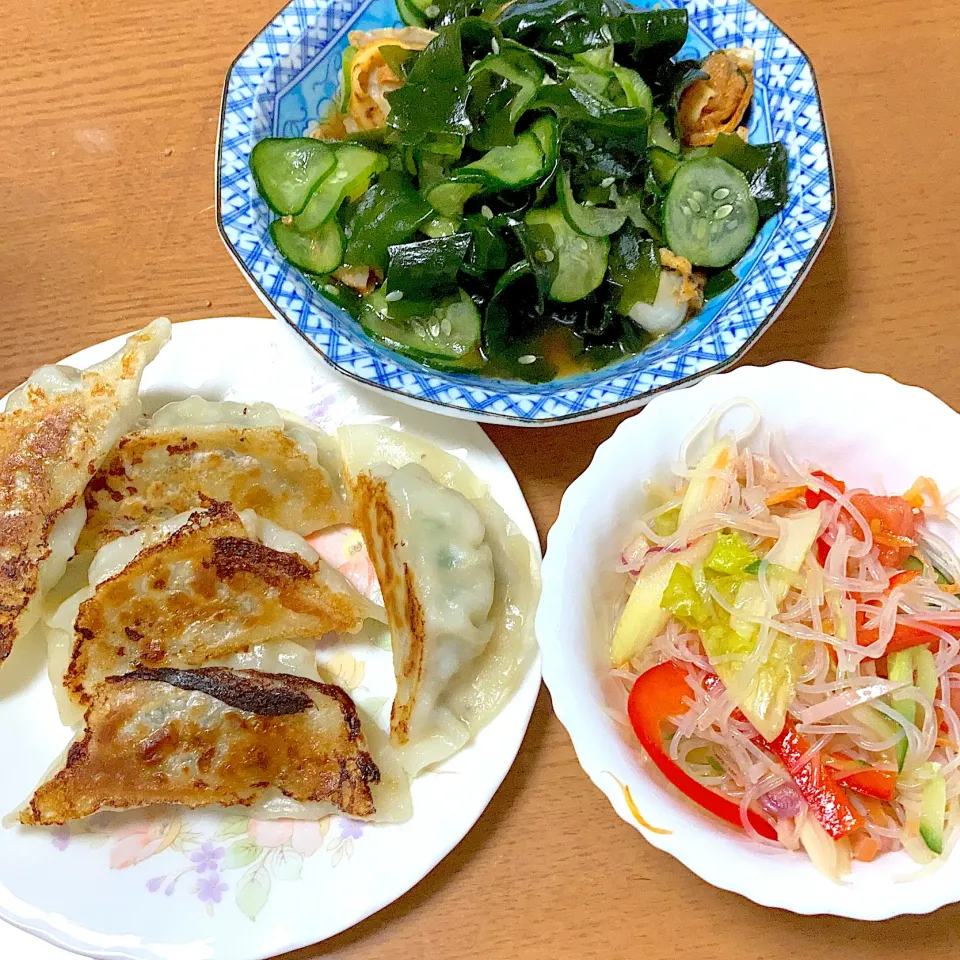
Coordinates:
(208, 857)
(137, 843)
(270, 834)
(307, 837)
(303, 836)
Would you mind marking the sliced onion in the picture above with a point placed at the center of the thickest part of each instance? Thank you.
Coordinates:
(783, 801)
(850, 698)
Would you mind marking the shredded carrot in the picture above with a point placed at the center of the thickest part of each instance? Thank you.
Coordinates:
(924, 489)
(949, 587)
(634, 810)
(866, 849)
(784, 496)
(944, 742)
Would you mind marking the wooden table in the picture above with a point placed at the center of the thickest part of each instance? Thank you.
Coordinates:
(108, 121)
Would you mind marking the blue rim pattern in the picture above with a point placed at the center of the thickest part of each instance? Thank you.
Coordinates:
(276, 88)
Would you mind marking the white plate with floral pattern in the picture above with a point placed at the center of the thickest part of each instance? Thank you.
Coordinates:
(205, 886)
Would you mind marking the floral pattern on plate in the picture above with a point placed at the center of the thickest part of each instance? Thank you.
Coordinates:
(210, 858)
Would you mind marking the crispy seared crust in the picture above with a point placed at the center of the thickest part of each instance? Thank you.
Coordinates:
(149, 739)
(157, 473)
(239, 593)
(49, 448)
(374, 517)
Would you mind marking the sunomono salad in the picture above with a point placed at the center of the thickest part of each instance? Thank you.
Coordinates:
(527, 189)
(788, 655)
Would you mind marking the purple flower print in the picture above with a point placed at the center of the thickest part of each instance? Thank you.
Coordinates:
(208, 857)
(350, 829)
(210, 889)
(61, 838)
(155, 884)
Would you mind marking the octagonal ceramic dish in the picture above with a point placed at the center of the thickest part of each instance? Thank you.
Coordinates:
(279, 85)
(866, 428)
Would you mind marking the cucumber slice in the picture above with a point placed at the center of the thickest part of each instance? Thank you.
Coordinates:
(594, 81)
(447, 328)
(576, 263)
(319, 252)
(355, 167)
(600, 58)
(709, 216)
(664, 165)
(287, 171)
(636, 91)
(659, 134)
(410, 14)
(933, 810)
(513, 166)
(449, 196)
(590, 221)
(900, 670)
(547, 132)
(440, 226)
(518, 68)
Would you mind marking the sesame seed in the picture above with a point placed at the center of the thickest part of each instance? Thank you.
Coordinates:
(393, 296)
(495, 45)
(547, 256)
(608, 182)
(330, 288)
(606, 33)
(432, 11)
(527, 359)
(487, 212)
(446, 328)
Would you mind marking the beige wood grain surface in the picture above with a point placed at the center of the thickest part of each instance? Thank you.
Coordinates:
(108, 121)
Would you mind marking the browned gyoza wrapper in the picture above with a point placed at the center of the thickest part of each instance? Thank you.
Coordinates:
(159, 472)
(54, 433)
(206, 592)
(210, 736)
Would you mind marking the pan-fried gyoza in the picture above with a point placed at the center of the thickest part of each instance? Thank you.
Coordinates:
(198, 588)
(54, 432)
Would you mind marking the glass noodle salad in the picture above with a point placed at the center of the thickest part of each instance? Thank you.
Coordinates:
(788, 653)
(527, 189)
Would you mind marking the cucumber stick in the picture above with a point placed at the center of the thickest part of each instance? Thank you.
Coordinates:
(900, 670)
(917, 668)
(933, 809)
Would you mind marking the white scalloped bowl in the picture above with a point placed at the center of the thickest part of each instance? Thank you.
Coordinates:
(865, 428)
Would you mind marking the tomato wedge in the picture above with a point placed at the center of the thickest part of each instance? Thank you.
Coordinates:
(658, 697)
(893, 524)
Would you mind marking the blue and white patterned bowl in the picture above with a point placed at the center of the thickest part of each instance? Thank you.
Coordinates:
(278, 87)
